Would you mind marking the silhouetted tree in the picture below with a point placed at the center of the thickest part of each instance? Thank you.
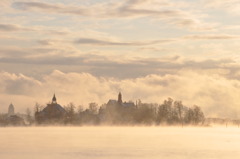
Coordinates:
(169, 112)
(178, 107)
(165, 112)
(189, 117)
(93, 108)
(198, 115)
(70, 109)
(145, 114)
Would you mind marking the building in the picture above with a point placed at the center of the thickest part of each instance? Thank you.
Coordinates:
(52, 113)
(11, 118)
(11, 110)
(119, 103)
(117, 111)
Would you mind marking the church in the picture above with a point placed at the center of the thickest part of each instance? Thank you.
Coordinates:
(11, 110)
(12, 118)
(52, 113)
(120, 103)
(117, 111)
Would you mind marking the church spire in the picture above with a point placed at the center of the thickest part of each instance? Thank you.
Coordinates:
(120, 98)
(54, 99)
(11, 110)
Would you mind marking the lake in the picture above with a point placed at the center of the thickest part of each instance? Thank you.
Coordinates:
(119, 143)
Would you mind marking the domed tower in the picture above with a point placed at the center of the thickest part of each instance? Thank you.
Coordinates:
(11, 110)
(54, 99)
(120, 98)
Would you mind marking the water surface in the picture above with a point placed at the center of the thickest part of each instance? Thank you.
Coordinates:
(119, 143)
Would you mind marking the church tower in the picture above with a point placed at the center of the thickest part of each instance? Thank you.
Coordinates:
(11, 110)
(120, 98)
(54, 99)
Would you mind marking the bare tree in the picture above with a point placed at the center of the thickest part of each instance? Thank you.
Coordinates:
(70, 109)
(93, 108)
(179, 110)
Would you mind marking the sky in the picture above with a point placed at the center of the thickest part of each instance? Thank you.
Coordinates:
(88, 51)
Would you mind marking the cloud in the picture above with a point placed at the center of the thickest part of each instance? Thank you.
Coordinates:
(11, 27)
(231, 6)
(104, 41)
(17, 84)
(19, 54)
(170, 12)
(124, 9)
(29, 5)
(216, 94)
(212, 37)
(193, 24)
(51, 8)
(7, 27)
(121, 67)
(92, 41)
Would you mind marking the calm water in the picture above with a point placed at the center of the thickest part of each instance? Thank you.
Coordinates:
(119, 142)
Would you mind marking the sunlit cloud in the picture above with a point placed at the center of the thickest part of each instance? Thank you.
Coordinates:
(214, 93)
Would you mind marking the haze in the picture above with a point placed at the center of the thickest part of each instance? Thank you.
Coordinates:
(119, 142)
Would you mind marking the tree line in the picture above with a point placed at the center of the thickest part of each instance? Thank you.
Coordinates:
(170, 112)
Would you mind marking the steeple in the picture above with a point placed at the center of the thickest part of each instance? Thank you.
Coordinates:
(54, 99)
(120, 98)
(11, 110)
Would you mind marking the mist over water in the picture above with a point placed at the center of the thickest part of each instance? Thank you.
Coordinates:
(119, 142)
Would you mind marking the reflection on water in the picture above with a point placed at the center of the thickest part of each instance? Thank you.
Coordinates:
(119, 142)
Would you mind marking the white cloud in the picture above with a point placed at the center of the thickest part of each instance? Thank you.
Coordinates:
(217, 95)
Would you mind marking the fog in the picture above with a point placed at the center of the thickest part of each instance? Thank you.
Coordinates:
(119, 142)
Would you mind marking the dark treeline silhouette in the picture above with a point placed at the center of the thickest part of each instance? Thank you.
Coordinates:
(115, 112)
(170, 112)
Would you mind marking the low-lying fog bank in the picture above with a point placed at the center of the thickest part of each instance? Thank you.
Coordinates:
(119, 142)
